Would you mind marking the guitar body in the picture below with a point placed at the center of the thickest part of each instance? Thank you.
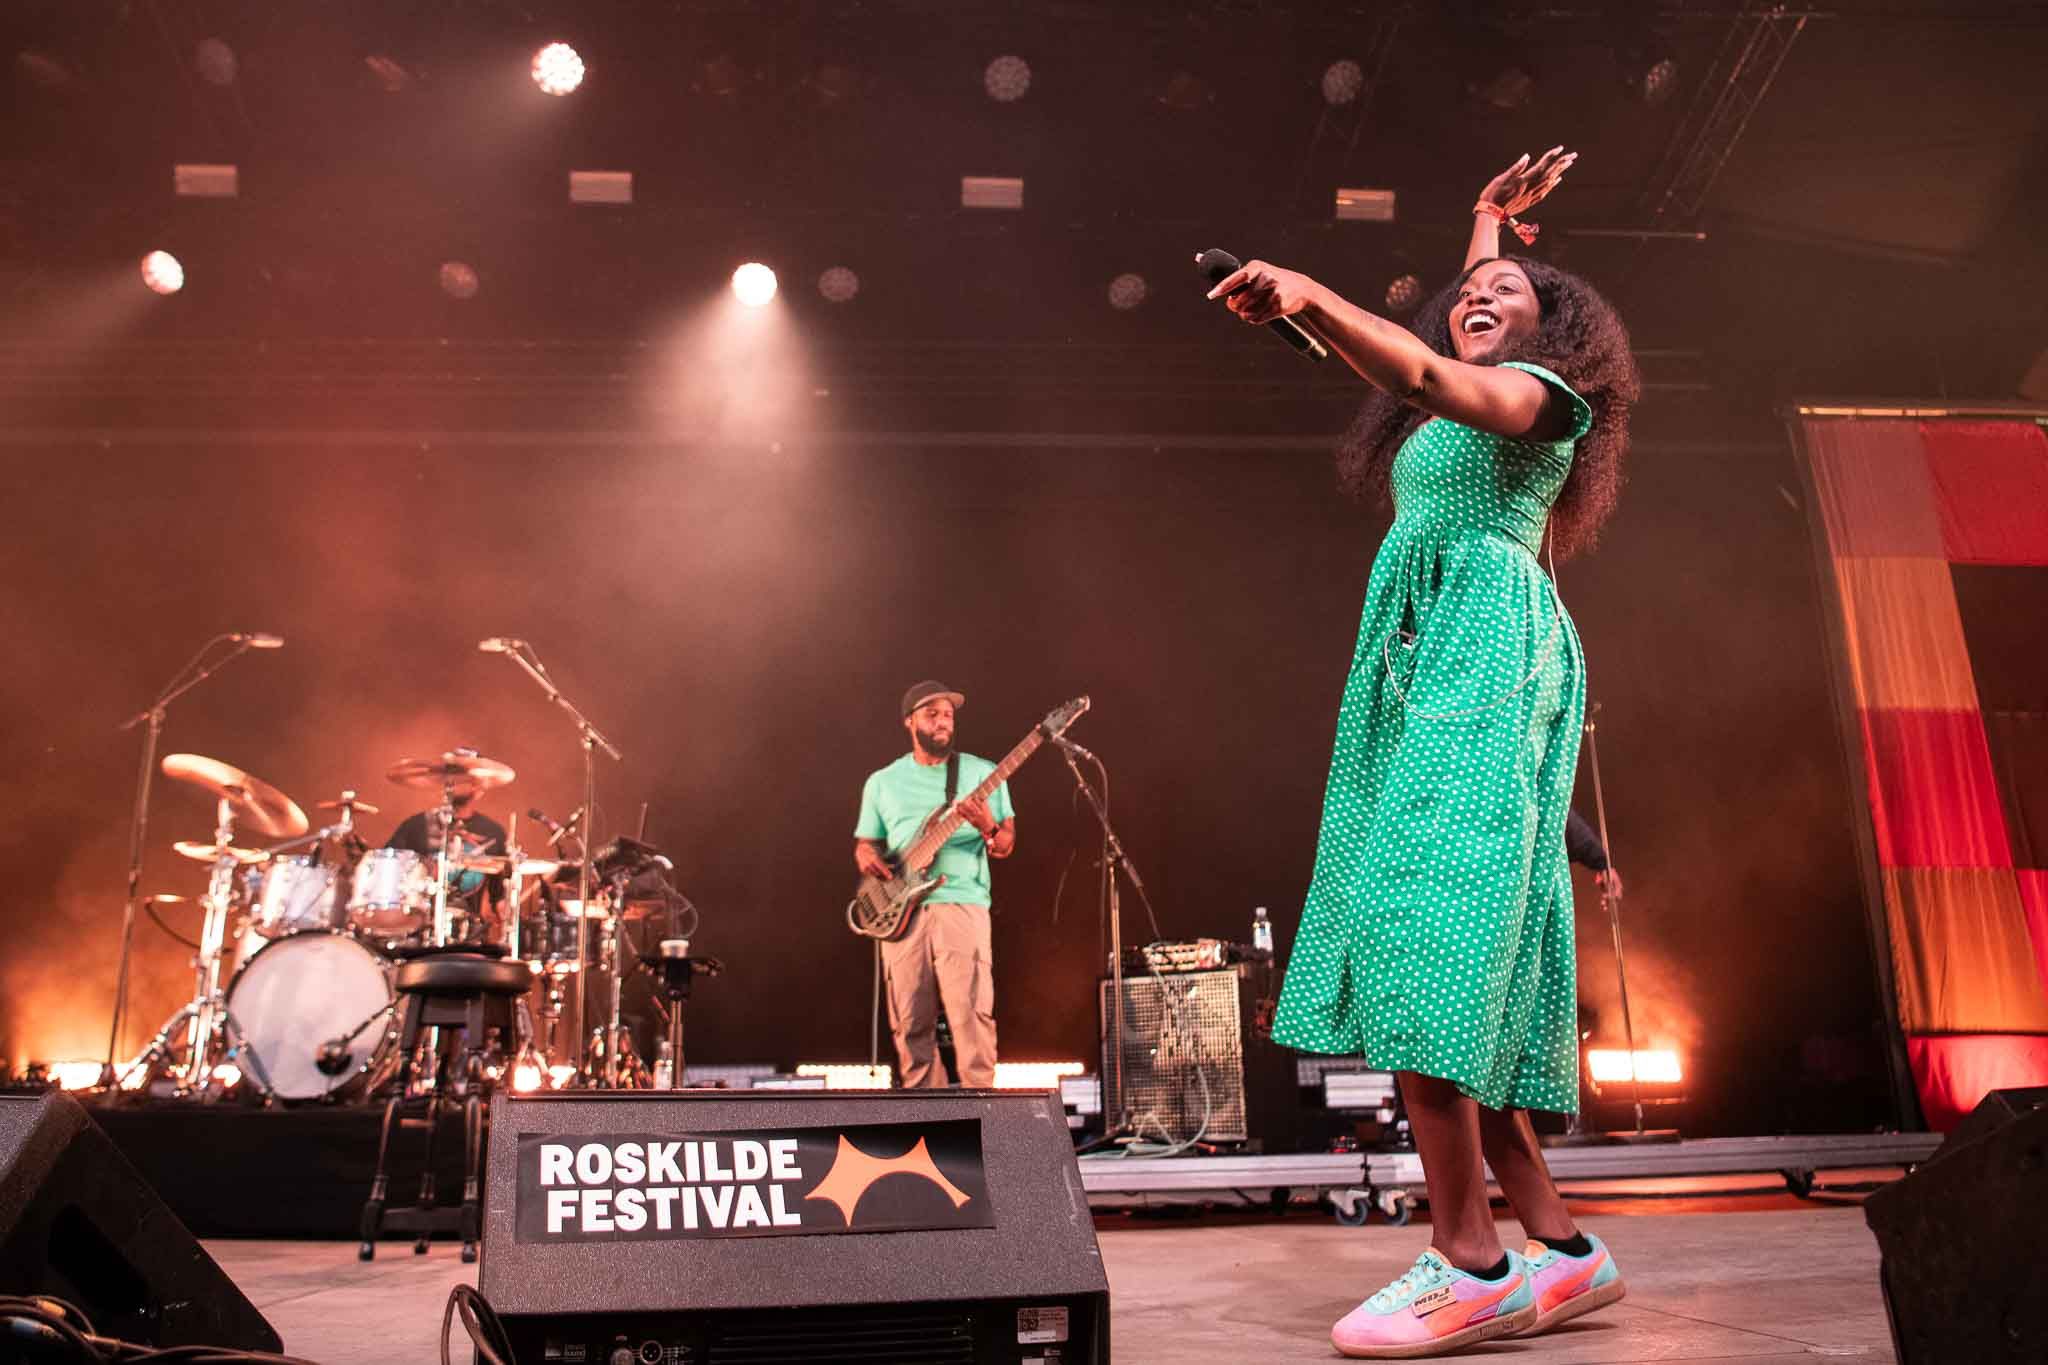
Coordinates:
(881, 908)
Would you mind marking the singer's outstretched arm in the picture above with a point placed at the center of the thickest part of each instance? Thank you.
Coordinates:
(1491, 398)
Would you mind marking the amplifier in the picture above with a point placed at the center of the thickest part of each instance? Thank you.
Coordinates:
(686, 1228)
(1183, 1050)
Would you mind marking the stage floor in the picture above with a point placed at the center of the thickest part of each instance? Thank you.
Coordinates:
(1765, 1288)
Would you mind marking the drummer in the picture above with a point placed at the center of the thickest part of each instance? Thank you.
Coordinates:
(476, 835)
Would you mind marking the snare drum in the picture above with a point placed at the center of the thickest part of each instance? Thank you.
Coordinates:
(315, 1012)
(392, 894)
(290, 894)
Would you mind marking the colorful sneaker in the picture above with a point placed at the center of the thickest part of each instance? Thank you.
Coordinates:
(1568, 1286)
(1435, 1308)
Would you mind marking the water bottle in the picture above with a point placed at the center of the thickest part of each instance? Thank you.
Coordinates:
(1262, 932)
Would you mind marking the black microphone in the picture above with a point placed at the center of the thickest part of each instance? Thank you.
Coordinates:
(1074, 748)
(259, 639)
(556, 833)
(1219, 265)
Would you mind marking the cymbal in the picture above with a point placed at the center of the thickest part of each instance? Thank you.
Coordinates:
(347, 801)
(451, 767)
(252, 799)
(206, 853)
(167, 898)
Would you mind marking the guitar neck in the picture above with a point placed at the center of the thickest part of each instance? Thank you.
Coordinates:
(928, 843)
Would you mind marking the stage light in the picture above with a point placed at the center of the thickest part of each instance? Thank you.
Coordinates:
(1404, 292)
(202, 180)
(215, 62)
(1035, 1075)
(991, 192)
(1006, 79)
(1658, 82)
(1365, 206)
(1507, 90)
(600, 187)
(1343, 81)
(74, 1075)
(1126, 292)
(526, 1078)
(1654, 1066)
(162, 273)
(459, 280)
(839, 285)
(847, 1077)
(753, 284)
(559, 1076)
(228, 1074)
(557, 70)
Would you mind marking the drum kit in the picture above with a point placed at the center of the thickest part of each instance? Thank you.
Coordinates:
(299, 939)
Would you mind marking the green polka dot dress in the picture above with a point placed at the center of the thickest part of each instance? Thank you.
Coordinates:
(1437, 936)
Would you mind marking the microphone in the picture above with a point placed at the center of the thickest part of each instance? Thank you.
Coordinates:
(258, 639)
(500, 644)
(1074, 748)
(1219, 265)
(556, 833)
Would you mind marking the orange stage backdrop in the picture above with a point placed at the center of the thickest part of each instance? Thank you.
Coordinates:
(1905, 507)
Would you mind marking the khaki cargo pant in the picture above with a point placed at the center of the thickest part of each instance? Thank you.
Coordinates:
(943, 958)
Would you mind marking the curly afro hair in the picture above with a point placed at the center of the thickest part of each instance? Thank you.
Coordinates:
(1581, 340)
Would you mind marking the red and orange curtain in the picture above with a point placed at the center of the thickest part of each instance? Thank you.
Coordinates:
(1903, 504)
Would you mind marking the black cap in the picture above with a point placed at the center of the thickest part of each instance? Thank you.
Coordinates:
(925, 691)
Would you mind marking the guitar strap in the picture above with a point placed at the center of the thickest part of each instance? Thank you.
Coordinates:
(952, 775)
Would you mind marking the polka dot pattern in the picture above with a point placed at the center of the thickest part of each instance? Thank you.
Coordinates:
(1437, 933)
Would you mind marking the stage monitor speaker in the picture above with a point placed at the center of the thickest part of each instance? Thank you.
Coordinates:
(881, 1226)
(1962, 1273)
(79, 1223)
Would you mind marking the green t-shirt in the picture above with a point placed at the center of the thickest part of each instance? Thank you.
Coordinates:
(896, 801)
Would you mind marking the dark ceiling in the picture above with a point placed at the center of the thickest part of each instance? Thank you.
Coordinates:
(1874, 228)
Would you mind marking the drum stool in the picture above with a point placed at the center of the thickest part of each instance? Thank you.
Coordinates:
(467, 987)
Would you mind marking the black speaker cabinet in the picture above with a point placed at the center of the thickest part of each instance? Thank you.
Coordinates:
(1963, 1275)
(78, 1222)
(1192, 1052)
(885, 1226)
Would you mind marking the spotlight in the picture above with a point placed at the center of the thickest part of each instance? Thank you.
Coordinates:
(839, 285)
(557, 69)
(215, 62)
(1653, 1066)
(1404, 292)
(459, 280)
(753, 284)
(162, 273)
(1658, 82)
(1343, 81)
(1006, 79)
(1126, 291)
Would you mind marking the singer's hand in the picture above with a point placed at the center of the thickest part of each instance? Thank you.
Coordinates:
(1523, 185)
(1261, 293)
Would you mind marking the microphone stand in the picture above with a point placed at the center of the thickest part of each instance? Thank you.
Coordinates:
(591, 740)
(138, 828)
(1114, 860)
(1613, 908)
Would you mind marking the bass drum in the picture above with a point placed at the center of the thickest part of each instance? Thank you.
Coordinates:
(315, 1012)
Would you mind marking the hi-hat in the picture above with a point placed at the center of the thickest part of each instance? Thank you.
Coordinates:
(448, 769)
(346, 801)
(206, 853)
(254, 801)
